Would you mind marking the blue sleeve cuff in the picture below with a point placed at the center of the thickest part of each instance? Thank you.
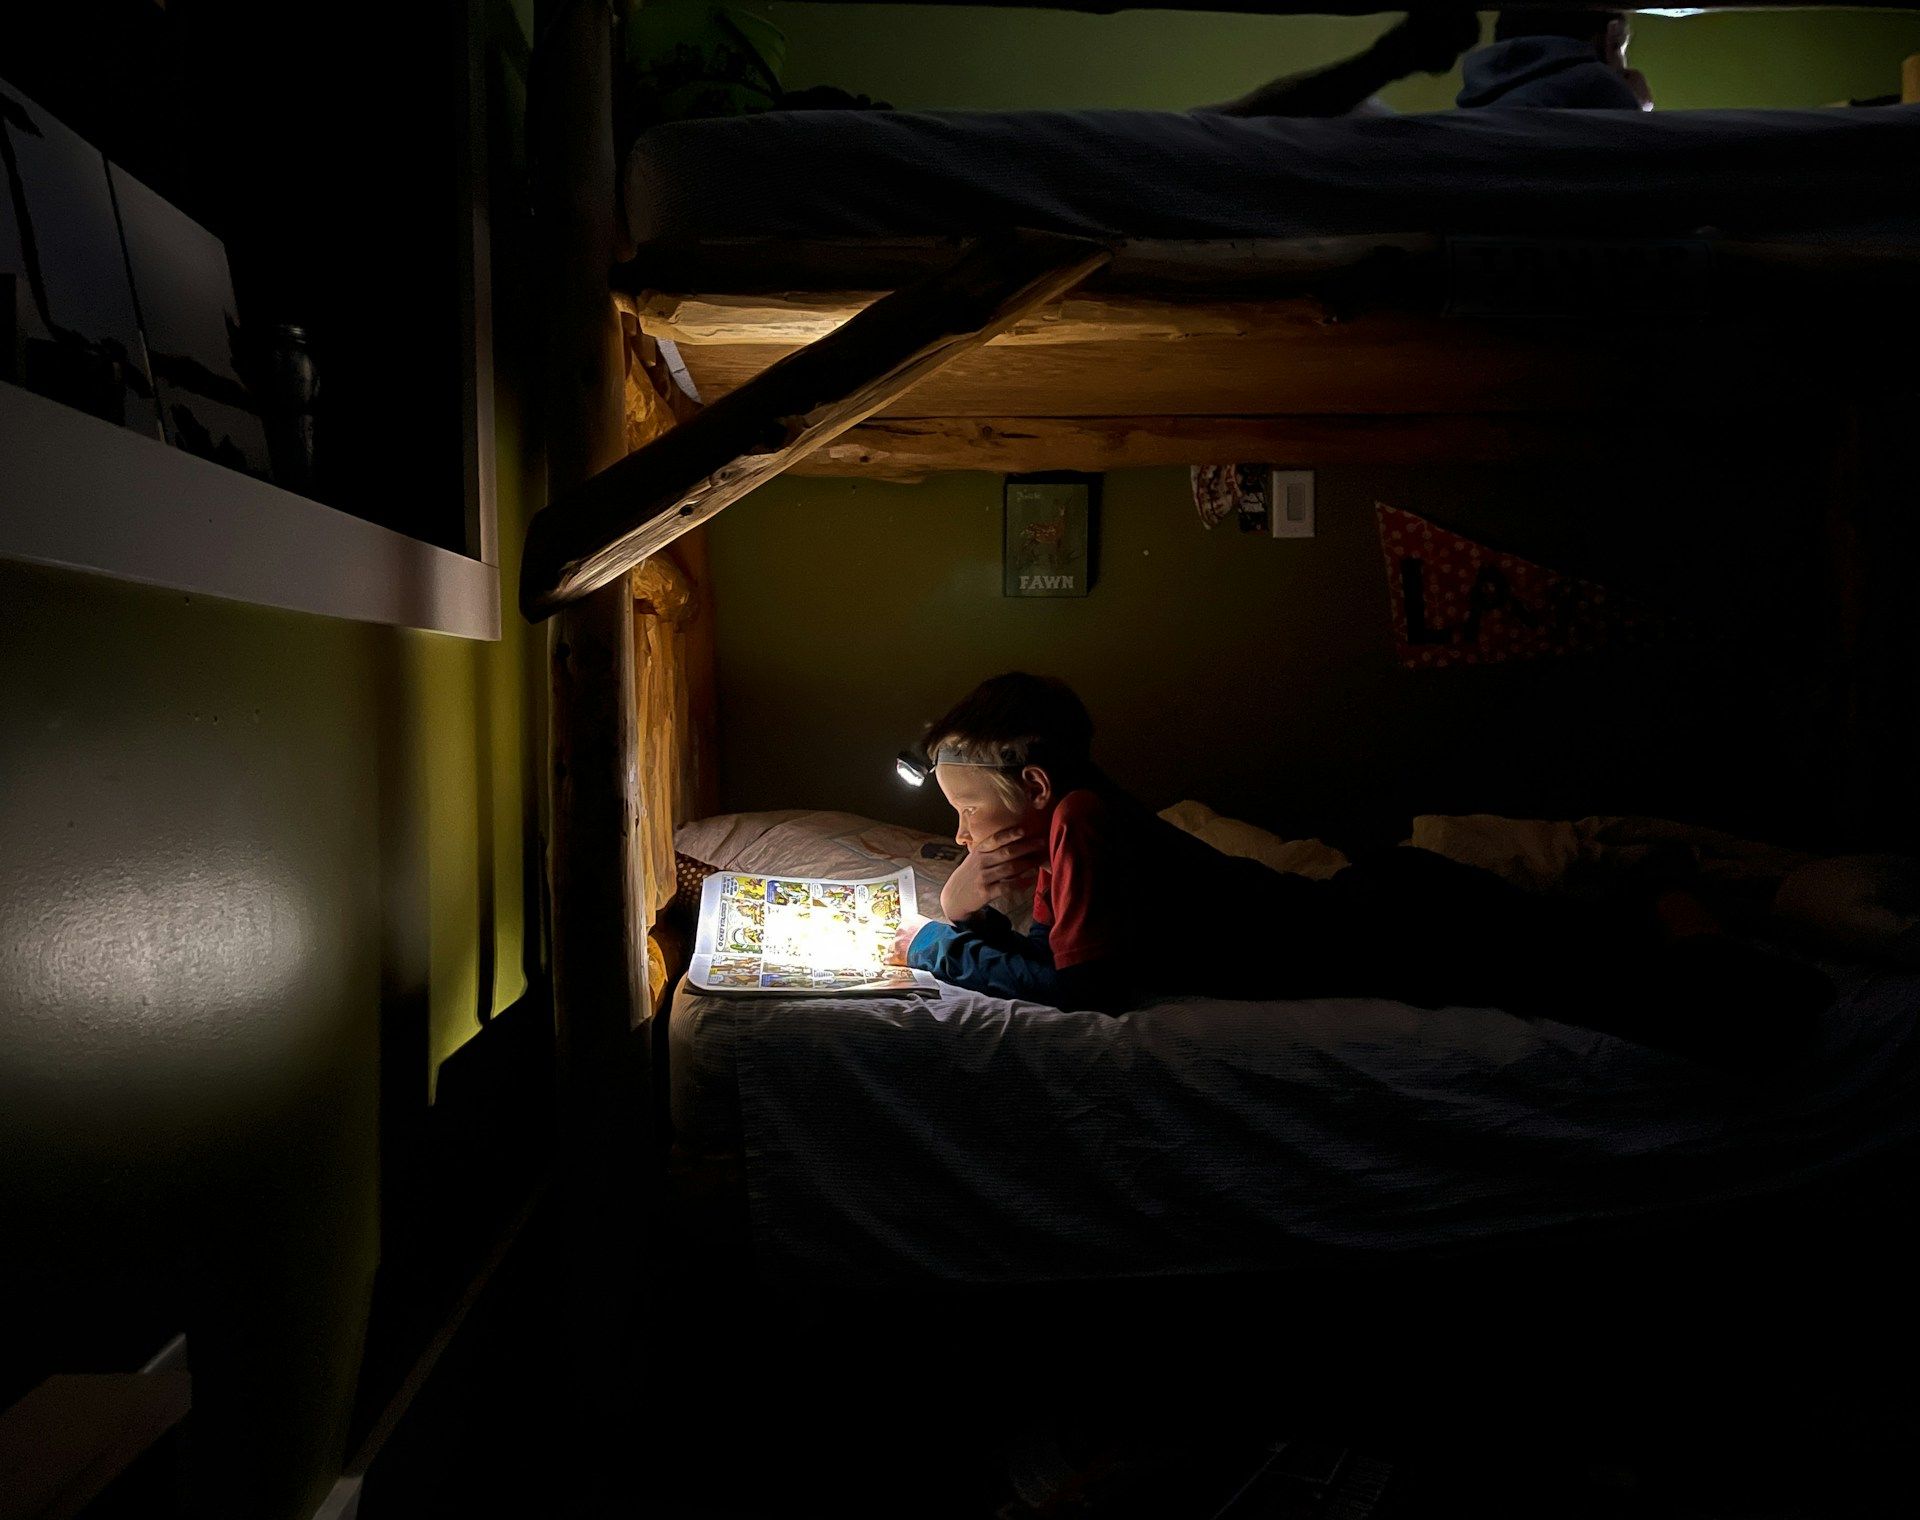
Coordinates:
(924, 953)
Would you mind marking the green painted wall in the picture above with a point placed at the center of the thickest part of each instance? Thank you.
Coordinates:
(967, 58)
(957, 57)
(190, 886)
(473, 715)
(1798, 58)
(235, 846)
(1252, 674)
(1257, 675)
(260, 873)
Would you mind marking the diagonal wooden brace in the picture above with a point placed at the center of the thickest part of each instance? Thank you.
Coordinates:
(607, 525)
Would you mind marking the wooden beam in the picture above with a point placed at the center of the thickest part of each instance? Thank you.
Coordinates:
(805, 317)
(1366, 325)
(910, 448)
(763, 291)
(606, 526)
(599, 955)
(1386, 365)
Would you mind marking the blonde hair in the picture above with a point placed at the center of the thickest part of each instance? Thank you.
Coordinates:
(1010, 722)
(1002, 768)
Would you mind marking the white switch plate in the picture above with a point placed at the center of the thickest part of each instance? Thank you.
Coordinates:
(1292, 503)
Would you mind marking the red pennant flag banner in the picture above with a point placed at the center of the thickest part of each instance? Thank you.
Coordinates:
(1456, 602)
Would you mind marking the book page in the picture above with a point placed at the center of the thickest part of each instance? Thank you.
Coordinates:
(796, 936)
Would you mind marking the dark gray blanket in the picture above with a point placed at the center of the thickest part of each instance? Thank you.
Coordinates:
(967, 1139)
(1161, 174)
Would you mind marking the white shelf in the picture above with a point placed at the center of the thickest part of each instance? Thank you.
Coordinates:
(86, 495)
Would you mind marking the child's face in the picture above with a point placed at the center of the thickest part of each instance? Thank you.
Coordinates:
(977, 804)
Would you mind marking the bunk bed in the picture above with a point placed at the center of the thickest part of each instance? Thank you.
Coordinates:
(1421, 289)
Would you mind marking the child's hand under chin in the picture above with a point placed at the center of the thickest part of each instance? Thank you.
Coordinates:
(910, 926)
(997, 866)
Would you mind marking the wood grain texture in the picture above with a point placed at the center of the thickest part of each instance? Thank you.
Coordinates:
(1387, 363)
(803, 317)
(596, 532)
(911, 448)
(599, 968)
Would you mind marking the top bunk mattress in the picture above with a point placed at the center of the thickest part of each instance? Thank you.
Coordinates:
(1175, 175)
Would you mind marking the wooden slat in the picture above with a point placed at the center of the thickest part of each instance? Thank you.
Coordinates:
(1386, 364)
(910, 448)
(1154, 291)
(601, 530)
(804, 317)
(1345, 325)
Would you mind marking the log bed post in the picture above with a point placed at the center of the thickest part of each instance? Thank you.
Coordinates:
(599, 960)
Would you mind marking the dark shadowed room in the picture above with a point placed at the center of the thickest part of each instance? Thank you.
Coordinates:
(1098, 761)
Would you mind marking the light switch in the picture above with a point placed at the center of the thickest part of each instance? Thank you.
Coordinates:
(1292, 503)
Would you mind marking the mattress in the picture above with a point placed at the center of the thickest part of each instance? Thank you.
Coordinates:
(1159, 174)
(968, 1139)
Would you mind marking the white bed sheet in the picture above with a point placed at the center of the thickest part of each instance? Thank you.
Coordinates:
(1162, 174)
(969, 1139)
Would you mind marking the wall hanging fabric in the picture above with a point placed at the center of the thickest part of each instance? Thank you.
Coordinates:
(1457, 602)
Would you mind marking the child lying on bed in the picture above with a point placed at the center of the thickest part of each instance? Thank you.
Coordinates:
(1126, 907)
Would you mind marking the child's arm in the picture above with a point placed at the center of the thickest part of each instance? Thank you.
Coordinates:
(987, 955)
(1424, 41)
(994, 867)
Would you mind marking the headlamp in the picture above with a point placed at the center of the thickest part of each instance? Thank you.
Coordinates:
(913, 767)
(910, 768)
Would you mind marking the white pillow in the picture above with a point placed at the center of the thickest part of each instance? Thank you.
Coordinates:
(1298, 857)
(1532, 853)
(1590, 857)
(810, 842)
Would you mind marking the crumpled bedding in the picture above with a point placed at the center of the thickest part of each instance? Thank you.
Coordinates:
(1587, 857)
(972, 1140)
(968, 1139)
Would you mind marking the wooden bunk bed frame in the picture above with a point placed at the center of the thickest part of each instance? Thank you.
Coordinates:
(1027, 351)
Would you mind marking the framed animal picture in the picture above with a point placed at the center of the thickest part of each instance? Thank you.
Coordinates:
(1049, 535)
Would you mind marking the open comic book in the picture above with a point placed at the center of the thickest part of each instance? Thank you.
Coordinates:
(796, 937)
